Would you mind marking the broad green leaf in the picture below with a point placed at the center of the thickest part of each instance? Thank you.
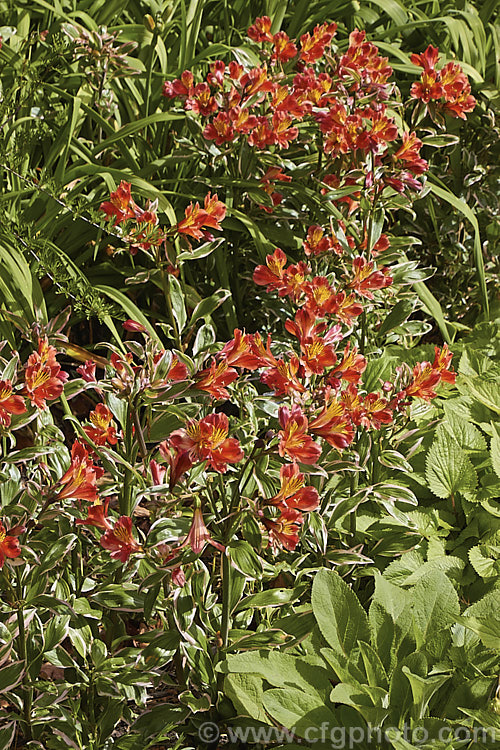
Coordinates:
(423, 688)
(487, 629)
(448, 469)
(298, 709)
(208, 305)
(495, 449)
(341, 618)
(435, 606)
(247, 694)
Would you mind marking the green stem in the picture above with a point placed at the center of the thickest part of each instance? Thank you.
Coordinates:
(125, 497)
(27, 692)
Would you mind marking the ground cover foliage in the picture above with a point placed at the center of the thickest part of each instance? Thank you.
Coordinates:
(249, 384)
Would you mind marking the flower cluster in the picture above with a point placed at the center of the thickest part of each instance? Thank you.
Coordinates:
(448, 86)
(141, 228)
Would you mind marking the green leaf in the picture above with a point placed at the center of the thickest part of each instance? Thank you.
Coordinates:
(295, 708)
(244, 558)
(130, 309)
(487, 629)
(341, 618)
(423, 688)
(11, 676)
(495, 449)
(485, 391)
(247, 694)
(178, 303)
(485, 562)
(435, 606)
(123, 597)
(448, 469)
(207, 306)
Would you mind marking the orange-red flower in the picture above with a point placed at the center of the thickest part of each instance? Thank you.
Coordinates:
(334, 425)
(282, 377)
(42, 382)
(80, 481)
(350, 368)
(272, 275)
(120, 204)
(313, 45)
(207, 440)
(10, 403)
(294, 440)
(293, 491)
(214, 379)
(96, 516)
(196, 218)
(102, 429)
(442, 361)
(260, 30)
(9, 545)
(424, 381)
(284, 49)
(238, 352)
(366, 278)
(284, 531)
(120, 540)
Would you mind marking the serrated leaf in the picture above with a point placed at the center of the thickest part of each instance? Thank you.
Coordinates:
(495, 450)
(484, 565)
(448, 469)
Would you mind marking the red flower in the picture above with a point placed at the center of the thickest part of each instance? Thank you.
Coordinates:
(119, 540)
(214, 379)
(180, 87)
(425, 379)
(282, 377)
(273, 273)
(284, 532)
(376, 411)
(9, 545)
(120, 204)
(87, 371)
(426, 60)
(201, 101)
(213, 212)
(350, 369)
(333, 424)
(442, 361)
(238, 352)
(178, 460)
(40, 385)
(313, 46)
(409, 154)
(366, 278)
(316, 241)
(134, 326)
(283, 49)
(293, 492)
(80, 481)
(9, 403)
(206, 440)
(96, 516)
(199, 536)
(219, 130)
(294, 440)
(103, 429)
(260, 31)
